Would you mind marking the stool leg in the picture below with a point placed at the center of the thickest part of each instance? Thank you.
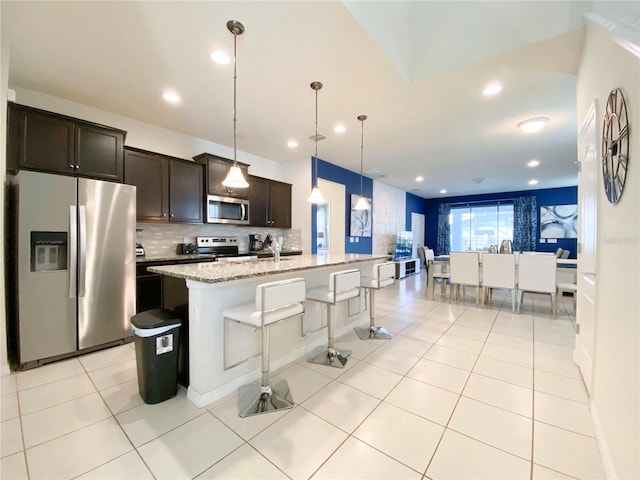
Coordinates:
(330, 356)
(372, 331)
(255, 399)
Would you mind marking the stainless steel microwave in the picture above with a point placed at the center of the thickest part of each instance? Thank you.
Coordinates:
(227, 210)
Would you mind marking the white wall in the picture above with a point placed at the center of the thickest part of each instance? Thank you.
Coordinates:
(299, 175)
(615, 405)
(389, 215)
(4, 78)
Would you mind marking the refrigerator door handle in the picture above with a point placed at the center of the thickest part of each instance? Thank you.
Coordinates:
(73, 250)
(82, 270)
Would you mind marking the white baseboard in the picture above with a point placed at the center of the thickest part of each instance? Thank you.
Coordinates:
(607, 463)
(4, 370)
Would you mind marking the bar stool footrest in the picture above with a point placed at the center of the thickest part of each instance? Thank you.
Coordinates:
(372, 332)
(254, 399)
(330, 357)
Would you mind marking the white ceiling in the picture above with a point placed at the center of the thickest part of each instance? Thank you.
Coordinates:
(417, 69)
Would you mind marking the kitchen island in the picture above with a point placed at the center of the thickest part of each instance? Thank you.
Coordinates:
(213, 287)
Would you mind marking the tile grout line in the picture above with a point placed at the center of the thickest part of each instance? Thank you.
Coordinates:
(115, 419)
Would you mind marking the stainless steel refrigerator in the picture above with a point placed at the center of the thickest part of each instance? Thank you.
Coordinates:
(74, 267)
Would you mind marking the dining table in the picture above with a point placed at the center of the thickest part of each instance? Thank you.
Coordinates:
(567, 267)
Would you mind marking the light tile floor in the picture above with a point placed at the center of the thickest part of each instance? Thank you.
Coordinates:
(459, 392)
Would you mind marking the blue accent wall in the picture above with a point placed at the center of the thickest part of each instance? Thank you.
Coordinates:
(544, 197)
(415, 204)
(351, 181)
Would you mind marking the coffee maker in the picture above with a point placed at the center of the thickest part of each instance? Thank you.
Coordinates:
(255, 242)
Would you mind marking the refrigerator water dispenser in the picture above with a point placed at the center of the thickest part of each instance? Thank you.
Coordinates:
(48, 251)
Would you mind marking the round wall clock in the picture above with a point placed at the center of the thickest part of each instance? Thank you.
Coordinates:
(615, 146)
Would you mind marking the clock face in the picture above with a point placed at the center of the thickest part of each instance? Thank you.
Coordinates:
(615, 146)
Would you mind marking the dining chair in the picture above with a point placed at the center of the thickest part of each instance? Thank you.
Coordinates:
(568, 287)
(464, 270)
(537, 274)
(421, 255)
(435, 271)
(499, 271)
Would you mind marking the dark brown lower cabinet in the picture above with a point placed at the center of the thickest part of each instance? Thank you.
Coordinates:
(157, 291)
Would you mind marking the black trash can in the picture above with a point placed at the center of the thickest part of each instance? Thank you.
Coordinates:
(157, 337)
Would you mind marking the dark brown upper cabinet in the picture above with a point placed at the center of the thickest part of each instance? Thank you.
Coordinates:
(149, 172)
(269, 203)
(168, 189)
(45, 141)
(216, 169)
(185, 192)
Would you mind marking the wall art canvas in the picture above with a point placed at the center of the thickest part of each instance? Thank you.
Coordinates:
(559, 221)
(360, 219)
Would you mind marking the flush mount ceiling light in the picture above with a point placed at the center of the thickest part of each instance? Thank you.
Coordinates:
(316, 195)
(533, 182)
(492, 89)
(235, 179)
(292, 144)
(533, 163)
(340, 129)
(533, 125)
(220, 57)
(171, 97)
(419, 178)
(362, 203)
(444, 190)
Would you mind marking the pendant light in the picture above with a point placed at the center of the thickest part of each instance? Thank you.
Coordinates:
(362, 203)
(316, 196)
(234, 178)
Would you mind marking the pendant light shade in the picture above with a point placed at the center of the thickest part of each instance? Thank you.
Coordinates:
(362, 203)
(316, 195)
(234, 178)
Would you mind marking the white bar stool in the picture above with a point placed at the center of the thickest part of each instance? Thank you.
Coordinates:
(383, 276)
(343, 286)
(274, 303)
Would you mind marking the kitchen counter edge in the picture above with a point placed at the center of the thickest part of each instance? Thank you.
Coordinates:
(225, 272)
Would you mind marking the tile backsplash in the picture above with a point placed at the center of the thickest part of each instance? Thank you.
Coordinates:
(163, 238)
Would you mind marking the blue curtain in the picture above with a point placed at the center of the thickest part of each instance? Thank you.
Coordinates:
(444, 230)
(525, 224)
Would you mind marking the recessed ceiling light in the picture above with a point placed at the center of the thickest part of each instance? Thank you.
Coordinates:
(492, 89)
(419, 178)
(533, 125)
(220, 57)
(533, 182)
(171, 97)
(444, 190)
(340, 129)
(533, 163)
(292, 144)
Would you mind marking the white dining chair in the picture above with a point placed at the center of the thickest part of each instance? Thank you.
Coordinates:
(562, 287)
(499, 271)
(464, 270)
(435, 271)
(537, 274)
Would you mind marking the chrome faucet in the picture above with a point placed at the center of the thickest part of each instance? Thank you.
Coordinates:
(275, 248)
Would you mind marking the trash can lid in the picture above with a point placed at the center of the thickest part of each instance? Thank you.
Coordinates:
(158, 317)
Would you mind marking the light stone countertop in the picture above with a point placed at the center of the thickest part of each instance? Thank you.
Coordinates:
(216, 272)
